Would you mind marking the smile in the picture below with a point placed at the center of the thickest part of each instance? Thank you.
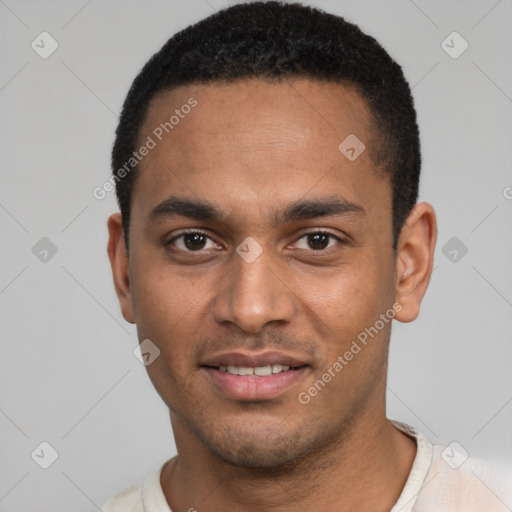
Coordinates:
(258, 371)
(249, 383)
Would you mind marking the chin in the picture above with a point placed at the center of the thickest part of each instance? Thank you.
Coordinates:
(249, 456)
(265, 449)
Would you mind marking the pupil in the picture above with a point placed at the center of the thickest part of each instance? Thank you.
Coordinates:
(194, 241)
(317, 239)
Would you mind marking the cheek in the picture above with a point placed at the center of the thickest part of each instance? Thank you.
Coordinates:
(349, 307)
(163, 302)
(165, 307)
(353, 298)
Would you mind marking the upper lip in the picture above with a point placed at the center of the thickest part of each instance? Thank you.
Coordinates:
(252, 360)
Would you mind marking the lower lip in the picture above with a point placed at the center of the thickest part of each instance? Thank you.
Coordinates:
(252, 388)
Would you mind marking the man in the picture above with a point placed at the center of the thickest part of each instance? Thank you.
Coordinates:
(266, 165)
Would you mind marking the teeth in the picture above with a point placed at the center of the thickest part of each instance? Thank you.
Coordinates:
(277, 368)
(263, 371)
(259, 371)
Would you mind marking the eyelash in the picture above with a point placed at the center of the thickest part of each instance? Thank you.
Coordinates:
(318, 232)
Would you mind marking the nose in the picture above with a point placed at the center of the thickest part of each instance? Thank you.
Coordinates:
(252, 295)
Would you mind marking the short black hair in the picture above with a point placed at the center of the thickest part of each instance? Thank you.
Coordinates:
(275, 41)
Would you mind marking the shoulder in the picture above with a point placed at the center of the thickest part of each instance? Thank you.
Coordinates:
(128, 500)
(145, 495)
(470, 484)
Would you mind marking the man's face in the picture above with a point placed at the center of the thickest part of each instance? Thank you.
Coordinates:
(253, 151)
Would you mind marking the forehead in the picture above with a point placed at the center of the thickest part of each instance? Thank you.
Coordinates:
(312, 112)
(251, 141)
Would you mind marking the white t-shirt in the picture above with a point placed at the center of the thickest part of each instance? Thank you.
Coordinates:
(442, 479)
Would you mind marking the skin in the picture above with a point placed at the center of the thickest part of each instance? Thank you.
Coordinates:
(251, 148)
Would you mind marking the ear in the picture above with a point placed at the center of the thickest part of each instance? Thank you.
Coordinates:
(120, 265)
(415, 259)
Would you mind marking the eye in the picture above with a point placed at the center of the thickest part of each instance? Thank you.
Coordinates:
(192, 241)
(319, 240)
(196, 241)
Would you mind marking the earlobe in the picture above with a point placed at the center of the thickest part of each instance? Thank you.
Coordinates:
(119, 263)
(415, 259)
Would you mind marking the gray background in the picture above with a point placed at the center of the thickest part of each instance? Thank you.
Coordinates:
(67, 372)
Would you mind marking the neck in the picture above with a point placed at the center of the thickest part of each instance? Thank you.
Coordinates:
(365, 469)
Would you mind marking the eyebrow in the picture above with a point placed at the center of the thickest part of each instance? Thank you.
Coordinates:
(301, 210)
(183, 207)
(315, 208)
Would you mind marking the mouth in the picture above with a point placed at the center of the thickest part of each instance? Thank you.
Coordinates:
(251, 377)
(257, 371)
